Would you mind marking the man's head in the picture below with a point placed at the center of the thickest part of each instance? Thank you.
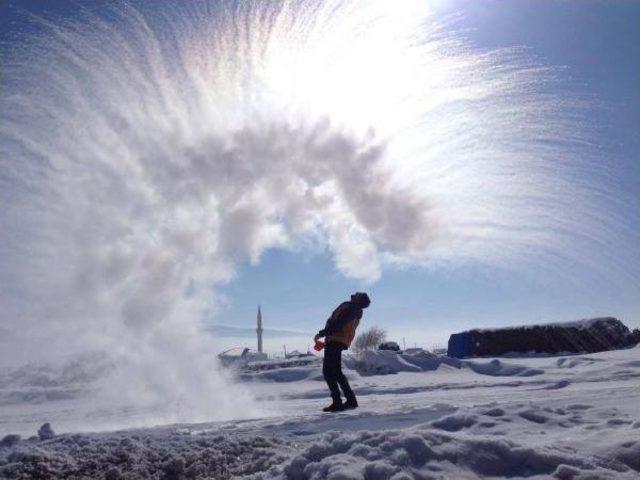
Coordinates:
(360, 299)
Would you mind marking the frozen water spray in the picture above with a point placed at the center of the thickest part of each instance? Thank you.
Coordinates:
(148, 149)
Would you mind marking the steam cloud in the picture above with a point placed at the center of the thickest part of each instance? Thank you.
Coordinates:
(146, 151)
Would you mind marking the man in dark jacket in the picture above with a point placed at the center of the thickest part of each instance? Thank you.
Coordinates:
(339, 333)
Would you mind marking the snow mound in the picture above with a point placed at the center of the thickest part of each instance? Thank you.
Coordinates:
(380, 362)
(426, 360)
(384, 362)
(454, 423)
(497, 368)
(141, 455)
(480, 441)
(410, 454)
(573, 362)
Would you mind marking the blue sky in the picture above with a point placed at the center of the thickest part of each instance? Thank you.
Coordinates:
(599, 42)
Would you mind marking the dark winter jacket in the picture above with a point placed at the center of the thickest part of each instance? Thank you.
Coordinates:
(341, 325)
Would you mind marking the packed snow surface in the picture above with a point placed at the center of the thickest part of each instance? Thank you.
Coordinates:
(421, 417)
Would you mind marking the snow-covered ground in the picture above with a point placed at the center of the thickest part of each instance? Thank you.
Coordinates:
(569, 417)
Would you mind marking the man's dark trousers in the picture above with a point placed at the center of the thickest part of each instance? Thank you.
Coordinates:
(332, 371)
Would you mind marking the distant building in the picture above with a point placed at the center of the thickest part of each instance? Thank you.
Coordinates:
(583, 336)
(240, 356)
(297, 354)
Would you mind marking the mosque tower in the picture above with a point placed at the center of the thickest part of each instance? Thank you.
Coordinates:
(259, 330)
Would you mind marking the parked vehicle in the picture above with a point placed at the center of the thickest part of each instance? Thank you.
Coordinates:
(389, 346)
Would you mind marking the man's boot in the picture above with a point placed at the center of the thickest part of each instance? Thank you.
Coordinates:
(351, 403)
(336, 406)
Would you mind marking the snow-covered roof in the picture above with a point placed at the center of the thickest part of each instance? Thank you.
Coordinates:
(582, 323)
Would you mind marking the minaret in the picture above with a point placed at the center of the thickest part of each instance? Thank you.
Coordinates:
(259, 330)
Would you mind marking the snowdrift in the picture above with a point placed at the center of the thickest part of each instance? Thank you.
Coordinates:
(583, 336)
(429, 451)
(384, 362)
(483, 441)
